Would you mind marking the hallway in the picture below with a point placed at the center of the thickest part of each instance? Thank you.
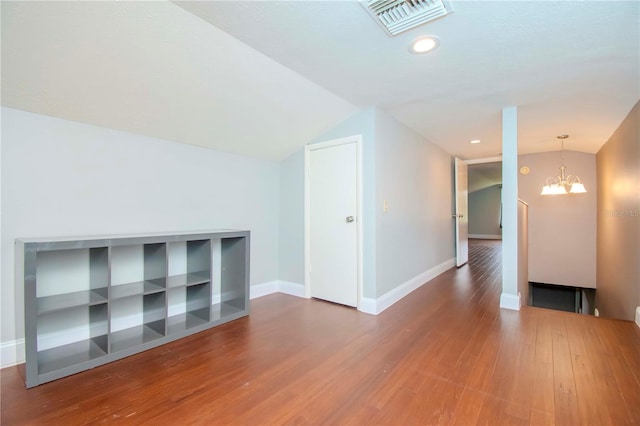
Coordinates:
(446, 354)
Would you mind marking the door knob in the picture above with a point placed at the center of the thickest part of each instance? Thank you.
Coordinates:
(349, 219)
(460, 215)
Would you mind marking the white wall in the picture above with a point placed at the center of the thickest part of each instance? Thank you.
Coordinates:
(484, 212)
(62, 178)
(562, 229)
(414, 177)
(510, 299)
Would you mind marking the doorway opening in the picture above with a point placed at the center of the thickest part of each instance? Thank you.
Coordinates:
(485, 200)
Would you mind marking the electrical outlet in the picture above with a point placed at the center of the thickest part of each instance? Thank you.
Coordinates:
(596, 312)
(385, 206)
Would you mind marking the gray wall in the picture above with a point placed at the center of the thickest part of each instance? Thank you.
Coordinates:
(484, 212)
(413, 176)
(291, 227)
(618, 242)
(67, 178)
(562, 228)
(63, 178)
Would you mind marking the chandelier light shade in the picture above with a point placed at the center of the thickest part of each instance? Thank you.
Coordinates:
(563, 184)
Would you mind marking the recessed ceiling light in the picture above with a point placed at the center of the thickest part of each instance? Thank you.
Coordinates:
(475, 141)
(424, 44)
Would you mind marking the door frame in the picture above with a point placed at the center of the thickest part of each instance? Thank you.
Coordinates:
(462, 256)
(357, 139)
(497, 159)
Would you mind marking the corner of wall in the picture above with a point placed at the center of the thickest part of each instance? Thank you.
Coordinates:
(510, 301)
(368, 306)
(276, 286)
(376, 306)
(11, 353)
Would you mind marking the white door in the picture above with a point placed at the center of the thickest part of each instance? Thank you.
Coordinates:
(461, 214)
(332, 205)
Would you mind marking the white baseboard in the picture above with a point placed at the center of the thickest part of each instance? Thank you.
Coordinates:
(277, 286)
(510, 301)
(485, 236)
(263, 289)
(638, 316)
(294, 289)
(368, 306)
(11, 353)
(376, 306)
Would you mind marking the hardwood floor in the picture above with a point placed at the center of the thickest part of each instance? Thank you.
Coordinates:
(444, 355)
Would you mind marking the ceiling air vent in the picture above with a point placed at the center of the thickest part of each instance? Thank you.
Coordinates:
(397, 16)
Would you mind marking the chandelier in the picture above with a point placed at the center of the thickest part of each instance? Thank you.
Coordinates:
(563, 184)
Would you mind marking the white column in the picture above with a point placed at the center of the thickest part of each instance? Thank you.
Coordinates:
(510, 299)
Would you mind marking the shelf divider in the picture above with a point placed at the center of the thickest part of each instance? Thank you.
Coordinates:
(59, 302)
(138, 288)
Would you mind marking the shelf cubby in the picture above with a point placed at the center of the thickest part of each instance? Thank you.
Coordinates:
(155, 262)
(222, 312)
(192, 265)
(233, 273)
(198, 297)
(95, 300)
(193, 309)
(138, 270)
(154, 309)
(65, 356)
(70, 278)
(66, 337)
(198, 256)
(137, 320)
(187, 320)
(133, 337)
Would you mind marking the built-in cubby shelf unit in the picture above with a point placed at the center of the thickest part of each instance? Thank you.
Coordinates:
(90, 301)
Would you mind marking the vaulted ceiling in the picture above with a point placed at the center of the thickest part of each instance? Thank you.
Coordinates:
(264, 78)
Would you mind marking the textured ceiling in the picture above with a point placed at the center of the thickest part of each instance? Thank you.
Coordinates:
(570, 67)
(262, 78)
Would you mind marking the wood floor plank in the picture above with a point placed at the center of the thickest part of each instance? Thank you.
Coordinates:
(468, 408)
(446, 354)
(542, 391)
(496, 411)
(599, 399)
(565, 398)
(621, 356)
